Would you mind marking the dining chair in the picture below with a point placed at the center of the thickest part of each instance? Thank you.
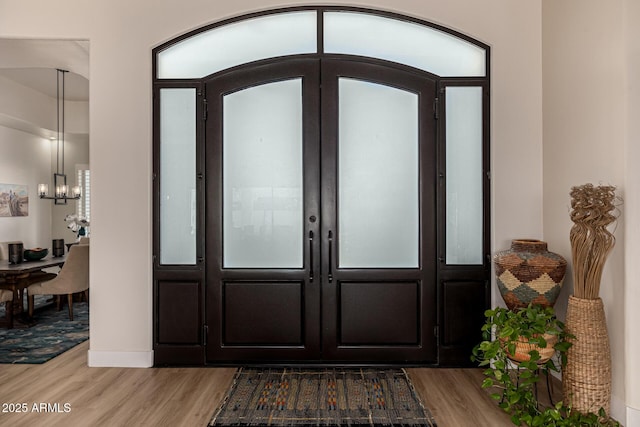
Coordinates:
(73, 278)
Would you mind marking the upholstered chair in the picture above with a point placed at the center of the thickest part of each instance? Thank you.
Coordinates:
(73, 278)
(7, 298)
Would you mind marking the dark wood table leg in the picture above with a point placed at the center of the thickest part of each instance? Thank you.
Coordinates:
(8, 316)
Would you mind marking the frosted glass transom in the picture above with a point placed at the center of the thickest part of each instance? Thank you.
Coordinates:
(416, 45)
(345, 32)
(233, 44)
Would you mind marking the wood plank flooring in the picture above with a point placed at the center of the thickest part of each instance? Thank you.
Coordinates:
(188, 396)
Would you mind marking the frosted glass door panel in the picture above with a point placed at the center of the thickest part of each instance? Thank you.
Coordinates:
(464, 175)
(378, 200)
(262, 177)
(178, 176)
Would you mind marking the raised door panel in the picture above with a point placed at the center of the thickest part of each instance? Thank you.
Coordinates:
(463, 305)
(379, 313)
(263, 313)
(179, 319)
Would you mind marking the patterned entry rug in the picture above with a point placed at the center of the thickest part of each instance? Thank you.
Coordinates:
(321, 397)
(51, 334)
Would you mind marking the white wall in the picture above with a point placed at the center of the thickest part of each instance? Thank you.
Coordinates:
(590, 136)
(122, 34)
(25, 160)
(28, 118)
(29, 159)
(631, 295)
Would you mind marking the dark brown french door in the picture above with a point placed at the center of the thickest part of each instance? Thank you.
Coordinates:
(320, 235)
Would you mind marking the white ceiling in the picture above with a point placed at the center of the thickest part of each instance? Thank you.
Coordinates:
(76, 87)
(33, 63)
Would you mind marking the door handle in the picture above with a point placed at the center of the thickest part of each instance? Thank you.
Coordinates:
(310, 256)
(330, 275)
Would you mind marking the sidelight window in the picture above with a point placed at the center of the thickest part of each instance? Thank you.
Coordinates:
(178, 177)
(464, 192)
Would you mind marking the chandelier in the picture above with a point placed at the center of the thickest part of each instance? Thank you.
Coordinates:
(62, 193)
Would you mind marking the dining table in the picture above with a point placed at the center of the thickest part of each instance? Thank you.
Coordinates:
(16, 278)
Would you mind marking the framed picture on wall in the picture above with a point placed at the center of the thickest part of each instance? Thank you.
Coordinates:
(14, 200)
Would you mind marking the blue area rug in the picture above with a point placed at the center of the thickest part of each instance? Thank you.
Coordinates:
(51, 334)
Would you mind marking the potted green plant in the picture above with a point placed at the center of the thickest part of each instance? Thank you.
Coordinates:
(516, 352)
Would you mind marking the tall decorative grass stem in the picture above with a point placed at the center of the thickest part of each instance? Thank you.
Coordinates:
(593, 210)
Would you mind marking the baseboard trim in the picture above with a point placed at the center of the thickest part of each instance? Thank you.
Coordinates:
(626, 415)
(120, 359)
(633, 417)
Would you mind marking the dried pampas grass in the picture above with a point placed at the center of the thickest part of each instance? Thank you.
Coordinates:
(593, 210)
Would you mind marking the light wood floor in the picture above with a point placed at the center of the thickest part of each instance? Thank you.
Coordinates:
(188, 396)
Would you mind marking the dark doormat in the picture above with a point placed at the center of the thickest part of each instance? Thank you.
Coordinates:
(321, 397)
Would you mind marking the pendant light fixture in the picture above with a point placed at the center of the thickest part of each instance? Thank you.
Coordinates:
(62, 193)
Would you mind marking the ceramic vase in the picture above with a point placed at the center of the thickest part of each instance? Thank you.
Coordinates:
(528, 273)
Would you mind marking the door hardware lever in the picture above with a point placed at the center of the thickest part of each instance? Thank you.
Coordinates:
(330, 275)
(310, 256)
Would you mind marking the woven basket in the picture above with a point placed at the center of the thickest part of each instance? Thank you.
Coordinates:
(523, 347)
(586, 380)
(529, 274)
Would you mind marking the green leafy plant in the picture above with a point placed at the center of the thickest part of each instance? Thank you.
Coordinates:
(513, 382)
